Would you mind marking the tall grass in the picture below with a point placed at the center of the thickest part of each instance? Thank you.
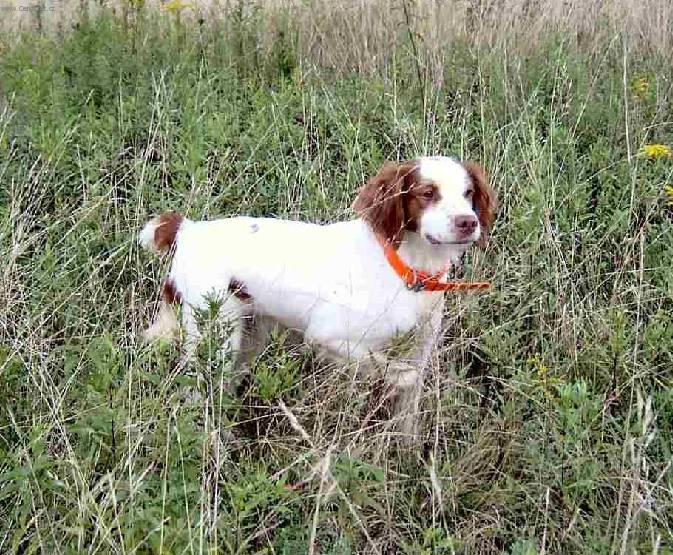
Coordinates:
(547, 421)
(355, 34)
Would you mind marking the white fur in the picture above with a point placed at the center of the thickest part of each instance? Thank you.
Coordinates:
(453, 183)
(146, 236)
(164, 324)
(330, 282)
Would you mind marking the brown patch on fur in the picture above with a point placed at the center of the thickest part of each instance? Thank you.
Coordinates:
(238, 290)
(484, 199)
(170, 293)
(166, 230)
(394, 199)
(420, 196)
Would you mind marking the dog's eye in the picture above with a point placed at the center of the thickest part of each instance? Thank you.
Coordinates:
(469, 193)
(428, 193)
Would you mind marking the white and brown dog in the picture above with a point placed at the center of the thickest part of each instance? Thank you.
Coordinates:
(351, 288)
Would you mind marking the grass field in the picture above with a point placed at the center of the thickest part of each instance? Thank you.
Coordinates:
(548, 426)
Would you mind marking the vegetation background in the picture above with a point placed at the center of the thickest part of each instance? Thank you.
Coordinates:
(547, 427)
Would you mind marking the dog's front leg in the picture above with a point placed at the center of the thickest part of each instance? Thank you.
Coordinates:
(407, 377)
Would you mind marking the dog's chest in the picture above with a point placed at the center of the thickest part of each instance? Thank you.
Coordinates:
(389, 316)
(409, 310)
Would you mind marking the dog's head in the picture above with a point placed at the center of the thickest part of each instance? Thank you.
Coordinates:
(445, 201)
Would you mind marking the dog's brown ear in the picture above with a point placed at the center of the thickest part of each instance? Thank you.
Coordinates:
(380, 201)
(484, 199)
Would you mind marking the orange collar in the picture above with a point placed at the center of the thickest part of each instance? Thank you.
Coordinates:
(416, 280)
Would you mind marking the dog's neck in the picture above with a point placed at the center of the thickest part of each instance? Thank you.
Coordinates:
(418, 254)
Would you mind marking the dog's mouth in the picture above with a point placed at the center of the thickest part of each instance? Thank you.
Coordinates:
(434, 241)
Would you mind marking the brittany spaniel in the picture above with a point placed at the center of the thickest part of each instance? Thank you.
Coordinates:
(351, 288)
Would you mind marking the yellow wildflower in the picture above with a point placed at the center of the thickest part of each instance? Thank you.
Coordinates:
(668, 193)
(543, 380)
(640, 86)
(176, 5)
(655, 151)
(541, 367)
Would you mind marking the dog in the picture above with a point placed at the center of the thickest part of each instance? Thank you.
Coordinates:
(350, 288)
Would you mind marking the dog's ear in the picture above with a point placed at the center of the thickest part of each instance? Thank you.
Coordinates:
(484, 199)
(380, 201)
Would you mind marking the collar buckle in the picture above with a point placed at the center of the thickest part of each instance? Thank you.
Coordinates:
(416, 287)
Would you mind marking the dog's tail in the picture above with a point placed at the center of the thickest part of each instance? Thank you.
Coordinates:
(160, 235)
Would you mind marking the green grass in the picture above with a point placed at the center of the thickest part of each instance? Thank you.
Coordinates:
(546, 428)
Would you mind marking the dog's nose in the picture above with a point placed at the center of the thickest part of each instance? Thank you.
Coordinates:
(466, 224)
